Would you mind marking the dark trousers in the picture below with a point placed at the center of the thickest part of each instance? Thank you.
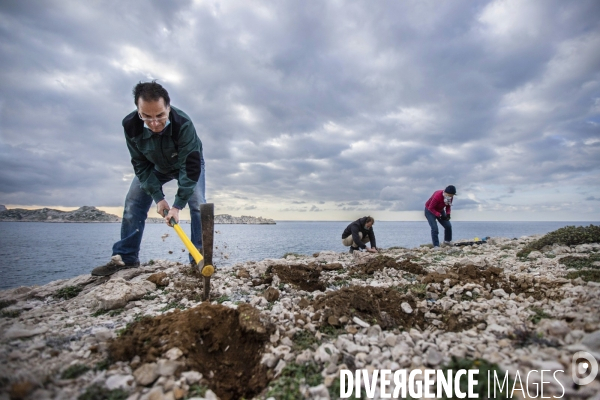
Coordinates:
(434, 228)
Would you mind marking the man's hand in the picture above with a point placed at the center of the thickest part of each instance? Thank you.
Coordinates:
(173, 213)
(372, 250)
(443, 217)
(448, 217)
(161, 206)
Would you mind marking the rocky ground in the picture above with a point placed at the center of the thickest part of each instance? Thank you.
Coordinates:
(283, 329)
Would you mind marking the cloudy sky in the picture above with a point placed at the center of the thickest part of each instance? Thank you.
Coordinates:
(318, 110)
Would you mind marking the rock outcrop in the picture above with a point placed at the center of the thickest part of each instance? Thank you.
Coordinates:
(82, 214)
(273, 322)
(244, 219)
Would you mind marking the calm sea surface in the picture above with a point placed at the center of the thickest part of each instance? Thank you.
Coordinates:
(37, 253)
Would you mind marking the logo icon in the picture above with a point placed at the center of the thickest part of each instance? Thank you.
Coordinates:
(584, 368)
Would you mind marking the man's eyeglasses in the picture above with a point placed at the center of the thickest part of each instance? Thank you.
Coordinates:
(159, 119)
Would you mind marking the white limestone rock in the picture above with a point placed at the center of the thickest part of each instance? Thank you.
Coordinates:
(116, 293)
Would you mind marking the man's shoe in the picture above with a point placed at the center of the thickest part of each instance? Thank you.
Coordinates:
(448, 243)
(115, 264)
(353, 249)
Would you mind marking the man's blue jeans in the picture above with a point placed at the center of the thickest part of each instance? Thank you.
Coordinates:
(137, 205)
(434, 228)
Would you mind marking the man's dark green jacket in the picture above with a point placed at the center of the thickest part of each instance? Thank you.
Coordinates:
(175, 151)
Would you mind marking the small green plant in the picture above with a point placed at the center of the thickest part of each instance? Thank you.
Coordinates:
(151, 262)
(581, 262)
(111, 313)
(196, 391)
(418, 289)
(538, 315)
(6, 303)
(10, 313)
(331, 331)
(523, 337)
(74, 371)
(104, 364)
(172, 305)
(287, 386)
(465, 297)
(304, 340)
(99, 312)
(588, 275)
(222, 299)
(68, 292)
(149, 296)
(97, 392)
(342, 282)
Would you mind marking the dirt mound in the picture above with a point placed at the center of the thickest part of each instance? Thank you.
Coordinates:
(373, 305)
(469, 274)
(496, 279)
(381, 262)
(224, 344)
(305, 277)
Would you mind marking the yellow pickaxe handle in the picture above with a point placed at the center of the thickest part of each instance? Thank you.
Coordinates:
(206, 270)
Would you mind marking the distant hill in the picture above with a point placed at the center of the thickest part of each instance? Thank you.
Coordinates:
(226, 219)
(82, 214)
(92, 214)
(244, 219)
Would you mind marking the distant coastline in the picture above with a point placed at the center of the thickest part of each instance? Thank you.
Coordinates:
(88, 214)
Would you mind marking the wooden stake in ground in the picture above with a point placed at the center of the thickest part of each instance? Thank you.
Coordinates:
(207, 212)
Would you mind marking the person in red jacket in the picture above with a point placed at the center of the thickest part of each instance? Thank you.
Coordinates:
(437, 209)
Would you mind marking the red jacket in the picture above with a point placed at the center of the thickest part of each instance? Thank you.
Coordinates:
(436, 204)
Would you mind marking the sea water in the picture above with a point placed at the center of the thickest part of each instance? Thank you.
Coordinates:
(35, 253)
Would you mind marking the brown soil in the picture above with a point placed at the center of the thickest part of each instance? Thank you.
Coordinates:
(469, 274)
(159, 279)
(381, 262)
(370, 304)
(305, 277)
(332, 266)
(223, 344)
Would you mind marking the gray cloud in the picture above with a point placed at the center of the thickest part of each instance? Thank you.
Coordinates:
(348, 106)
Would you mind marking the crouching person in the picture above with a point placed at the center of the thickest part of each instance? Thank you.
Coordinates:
(358, 233)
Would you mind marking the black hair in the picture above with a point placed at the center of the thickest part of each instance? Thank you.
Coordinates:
(150, 91)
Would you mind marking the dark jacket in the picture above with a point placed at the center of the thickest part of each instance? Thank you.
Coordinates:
(359, 226)
(436, 204)
(177, 150)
